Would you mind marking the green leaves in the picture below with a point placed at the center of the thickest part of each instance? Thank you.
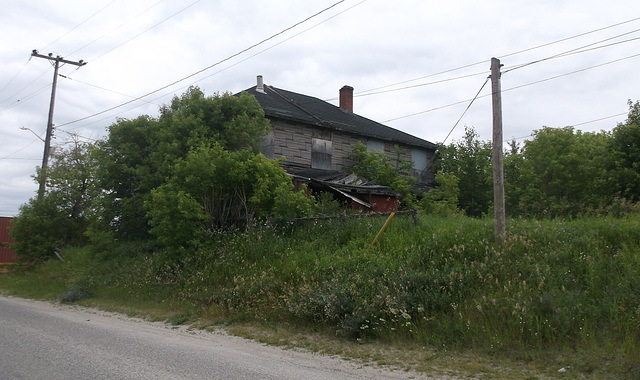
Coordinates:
(560, 172)
(60, 218)
(141, 155)
(215, 189)
(377, 166)
(470, 161)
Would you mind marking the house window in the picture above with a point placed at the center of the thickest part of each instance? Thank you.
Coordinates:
(268, 145)
(375, 145)
(321, 153)
(419, 158)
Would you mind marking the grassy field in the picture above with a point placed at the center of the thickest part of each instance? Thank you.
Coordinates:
(438, 297)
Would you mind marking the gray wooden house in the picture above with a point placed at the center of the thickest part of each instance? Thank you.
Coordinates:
(314, 137)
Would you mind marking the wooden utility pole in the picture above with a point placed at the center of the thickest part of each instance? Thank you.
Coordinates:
(47, 140)
(498, 170)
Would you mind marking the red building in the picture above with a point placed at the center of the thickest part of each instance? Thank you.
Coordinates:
(6, 255)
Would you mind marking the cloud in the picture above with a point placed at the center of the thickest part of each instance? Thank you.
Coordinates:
(137, 47)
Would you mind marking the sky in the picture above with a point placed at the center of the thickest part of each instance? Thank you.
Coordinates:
(415, 65)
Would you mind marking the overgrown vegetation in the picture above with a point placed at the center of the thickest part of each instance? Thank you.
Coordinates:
(559, 172)
(180, 217)
(554, 286)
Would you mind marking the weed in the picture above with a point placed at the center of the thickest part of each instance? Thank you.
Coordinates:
(567, 286)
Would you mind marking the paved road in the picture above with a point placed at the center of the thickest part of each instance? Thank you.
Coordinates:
(40, 340)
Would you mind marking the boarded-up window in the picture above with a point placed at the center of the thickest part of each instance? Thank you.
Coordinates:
(375, 145)
(268, 145)
(321, 154)
(419, 158)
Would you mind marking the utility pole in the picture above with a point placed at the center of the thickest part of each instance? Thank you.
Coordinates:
(498, 169)
(47, 141)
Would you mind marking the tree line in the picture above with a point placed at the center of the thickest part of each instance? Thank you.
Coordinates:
(195, 172)
(559, 172)
(178, 178)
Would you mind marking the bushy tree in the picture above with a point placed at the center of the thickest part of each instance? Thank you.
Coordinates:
(61, 216)
(513, 182)
(214, 189)
(377, 166)
(139, 155)
(564, 172)
(470, 161)
(625, 152)
(442, 199)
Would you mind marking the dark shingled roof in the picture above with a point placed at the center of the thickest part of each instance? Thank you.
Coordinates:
(295, 107)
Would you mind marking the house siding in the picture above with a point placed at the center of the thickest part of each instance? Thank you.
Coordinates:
(294, 143)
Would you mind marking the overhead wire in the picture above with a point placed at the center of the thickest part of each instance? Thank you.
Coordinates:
(579, 50)
(38, 77)
(513, 88)
(467, 109)
(15, 76)
(363, 93)
(79, 25)
(25, 87)
(572, 72)
(118, 27)
(573, 125)
(26, 98)
(266, 49)
(369, 92)
(18, 151)
(93, 59)
(104, 89)
(206, 68)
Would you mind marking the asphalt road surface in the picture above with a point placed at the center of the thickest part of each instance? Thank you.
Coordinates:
(40, 340)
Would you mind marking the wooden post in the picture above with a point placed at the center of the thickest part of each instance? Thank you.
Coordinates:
(47, 140)
(498, 170)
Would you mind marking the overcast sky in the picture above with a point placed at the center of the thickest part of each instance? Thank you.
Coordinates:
(414, 64)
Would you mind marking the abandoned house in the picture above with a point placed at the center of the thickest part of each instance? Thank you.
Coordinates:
(314, 139)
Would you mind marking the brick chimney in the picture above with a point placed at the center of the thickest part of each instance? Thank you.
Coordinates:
(346, 98)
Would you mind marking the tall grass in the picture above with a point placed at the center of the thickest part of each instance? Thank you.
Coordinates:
(551, 285)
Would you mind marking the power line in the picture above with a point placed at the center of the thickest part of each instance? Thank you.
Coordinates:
(572, 72)
(206, 68)
(93, 59)
(152, 101)
(574, 125)
(56, 40)
(26, 98)
(579, 50)
(226, 68)
(513, 88)
(360, 93)
(104, 89)
(18, 151)
(79, 25)
(145, 31)
(600, 119)
(120, 26)
(467, 109)
(261, 51)
(15, 76)
(25, 87)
